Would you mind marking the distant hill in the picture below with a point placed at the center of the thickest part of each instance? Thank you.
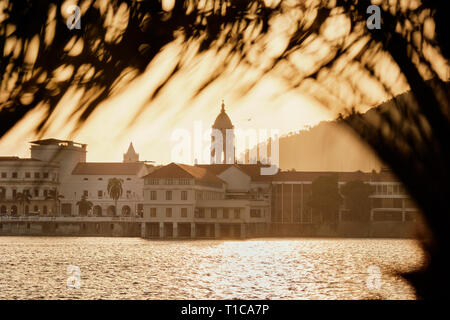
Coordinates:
(328, 146)
(332, 146)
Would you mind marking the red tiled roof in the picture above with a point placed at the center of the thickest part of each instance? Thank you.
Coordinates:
(178, 170)
(108, 168)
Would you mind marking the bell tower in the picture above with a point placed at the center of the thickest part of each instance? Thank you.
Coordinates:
(222, 139)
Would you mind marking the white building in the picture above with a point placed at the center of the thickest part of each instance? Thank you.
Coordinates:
(60, 166)
(36, 178)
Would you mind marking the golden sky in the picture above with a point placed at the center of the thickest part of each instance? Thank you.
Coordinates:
(129, 117)
(109, 132)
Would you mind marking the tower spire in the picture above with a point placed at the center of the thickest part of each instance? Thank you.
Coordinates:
(223, 106)
(131, 155)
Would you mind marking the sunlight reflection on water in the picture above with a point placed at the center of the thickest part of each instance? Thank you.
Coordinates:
(133, 268)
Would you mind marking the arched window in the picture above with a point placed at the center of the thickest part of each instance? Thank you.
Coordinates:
(44, 210)
(35, 209)
(126, 211)
(14, 210)
(27, 209)
(111, 211)
(3, 210)
(98, 211)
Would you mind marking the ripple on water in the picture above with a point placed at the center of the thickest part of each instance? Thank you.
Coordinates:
(133, 268)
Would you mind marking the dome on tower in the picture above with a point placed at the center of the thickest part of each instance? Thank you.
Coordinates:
(223, 120)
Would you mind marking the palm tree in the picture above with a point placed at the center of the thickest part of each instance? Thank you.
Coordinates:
(56, 197)
(22, 198)
(115, 190)
(84, 205)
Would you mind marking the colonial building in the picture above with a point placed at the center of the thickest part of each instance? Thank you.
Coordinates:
(26, 185)
(205, 201)
(56, 191)
(59, 167)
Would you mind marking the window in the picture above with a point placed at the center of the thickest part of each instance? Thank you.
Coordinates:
(384, 189)
(183, 195)
(168, 195)
(184, 181)
(100, 194)
(45, 175)
(184, 212)
(37, 175)
(152, 181)
(45, 193)
(225, 213)
(14, 175)
(14, 193)
(128, 194)
(36, 192)
(168, 212)
(390, 189)
(85, 193)
(85, 179)
(100, 179)
(213, 212)
(129, 179)
(396, 189)
(152, 195)
(255, 213)
(3, 174)
(201, 212)
(27, 175)
(237, 213)
(170, 181)
(44, 209)
(152, 212)
(66, 208)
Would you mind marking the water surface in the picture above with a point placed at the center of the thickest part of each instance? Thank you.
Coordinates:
(134, 268)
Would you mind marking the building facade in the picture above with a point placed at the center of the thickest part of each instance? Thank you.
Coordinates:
(204, 201)
(56, 191)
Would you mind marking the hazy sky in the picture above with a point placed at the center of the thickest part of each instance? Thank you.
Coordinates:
(115, 124)
(108, 133)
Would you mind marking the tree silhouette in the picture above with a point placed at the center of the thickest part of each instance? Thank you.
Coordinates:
(325, 198)
(55, 196)
(115, 190)
(357, 199)
(22, 198)
(84, 206)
